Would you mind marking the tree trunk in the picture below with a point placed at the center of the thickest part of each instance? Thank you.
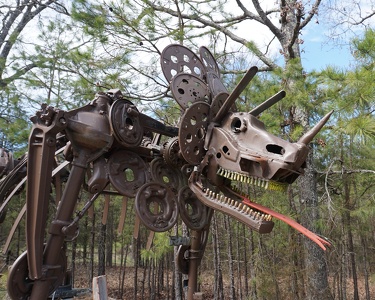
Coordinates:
(252, 267)
(316, 265)
(109, 240)
(246, 262)
(218, 288)
(232, 288)
(177, 276)
(74, 254)
(85, 241)
(92, 246)
(136, 260)
(239, 254)
(101, 250)
(366, 271)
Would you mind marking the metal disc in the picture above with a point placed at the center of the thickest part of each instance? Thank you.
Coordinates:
(209, 60)
(125, 123)
(156, 206)
(127, 172)
(182, 259)
(192, 211)
(19, 284)
(217, 102)
(188, 89)
(193, 128)
(215, 84)
(163, 173)
(177, 59)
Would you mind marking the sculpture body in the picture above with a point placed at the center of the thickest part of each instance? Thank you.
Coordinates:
(190, 175)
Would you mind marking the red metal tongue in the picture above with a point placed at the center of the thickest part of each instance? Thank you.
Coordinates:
(312, 236)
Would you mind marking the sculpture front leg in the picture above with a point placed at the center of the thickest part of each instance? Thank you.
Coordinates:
(52, 271)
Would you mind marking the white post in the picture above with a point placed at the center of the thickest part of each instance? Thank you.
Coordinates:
(99, 288)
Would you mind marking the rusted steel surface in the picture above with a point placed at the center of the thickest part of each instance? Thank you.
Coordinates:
(201, 166)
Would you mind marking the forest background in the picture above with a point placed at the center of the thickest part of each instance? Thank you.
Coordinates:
(63, 52)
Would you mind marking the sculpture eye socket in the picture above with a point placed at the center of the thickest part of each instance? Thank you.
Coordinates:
(236, 125)
(275, 149)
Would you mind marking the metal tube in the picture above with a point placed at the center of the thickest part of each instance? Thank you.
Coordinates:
(235, 94)
(194, 260)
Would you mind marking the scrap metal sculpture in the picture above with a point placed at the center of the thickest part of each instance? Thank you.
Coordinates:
(187, 171)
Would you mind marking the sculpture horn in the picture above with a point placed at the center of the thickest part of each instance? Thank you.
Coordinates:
(308, 136)
(235, 94)
(267, 104)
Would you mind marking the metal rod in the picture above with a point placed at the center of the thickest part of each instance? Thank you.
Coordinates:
(267, 104)
(194, 259)
(235, 94)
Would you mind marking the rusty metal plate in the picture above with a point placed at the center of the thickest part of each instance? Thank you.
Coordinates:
(182, 259)
(156, 206)
(127, 172)
(125, 123)
(215, 84)
(209, 61)
(163, 173)
(188, 89)
(193, 128)
(19, 283)
(192, 211)
(177, 59)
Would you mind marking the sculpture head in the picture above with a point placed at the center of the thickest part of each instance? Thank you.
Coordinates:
(228, 148)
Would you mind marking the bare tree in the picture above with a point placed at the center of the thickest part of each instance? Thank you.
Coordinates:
(16, 15)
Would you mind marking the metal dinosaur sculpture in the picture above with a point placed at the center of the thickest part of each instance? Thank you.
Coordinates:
(187, 171)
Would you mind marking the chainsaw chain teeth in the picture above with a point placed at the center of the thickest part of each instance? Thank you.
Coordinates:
(237, 205)
(247, 179)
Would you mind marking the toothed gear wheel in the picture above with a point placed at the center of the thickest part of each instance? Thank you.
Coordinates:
(171, 155)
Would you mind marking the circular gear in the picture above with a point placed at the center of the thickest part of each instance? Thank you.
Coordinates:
(193, 128)
(127, 172)
(19, 284)
(125, 124)
(188, 89)
(164, 174)
(192, 211)
(171, 155)
(156, 206)
(177, 59)
(209, 61)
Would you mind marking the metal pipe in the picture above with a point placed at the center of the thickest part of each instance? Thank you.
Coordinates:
(235, 94)
(194, 260)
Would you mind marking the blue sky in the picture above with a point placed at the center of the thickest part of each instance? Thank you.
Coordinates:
(319, 50)
(316, 55)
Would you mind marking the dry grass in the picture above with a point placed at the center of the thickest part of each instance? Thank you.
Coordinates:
(206, 285)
